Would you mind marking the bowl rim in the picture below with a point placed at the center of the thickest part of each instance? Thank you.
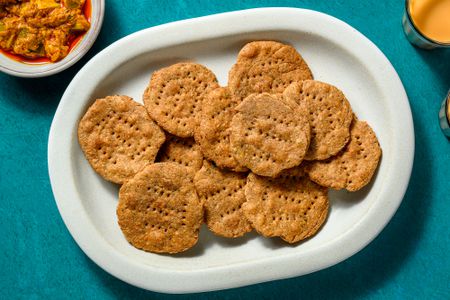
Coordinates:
(42, 70)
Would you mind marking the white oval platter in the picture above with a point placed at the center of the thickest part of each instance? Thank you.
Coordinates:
(337, 54)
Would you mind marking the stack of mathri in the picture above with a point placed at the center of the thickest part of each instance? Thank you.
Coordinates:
(258, 154)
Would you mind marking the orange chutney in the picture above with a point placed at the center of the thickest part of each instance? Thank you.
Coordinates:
(42, 31)
(431, 18)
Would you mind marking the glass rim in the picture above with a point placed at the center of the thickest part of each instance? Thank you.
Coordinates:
(447, 107)
(437, 43)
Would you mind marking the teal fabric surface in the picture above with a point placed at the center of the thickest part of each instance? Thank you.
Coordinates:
(408, 260)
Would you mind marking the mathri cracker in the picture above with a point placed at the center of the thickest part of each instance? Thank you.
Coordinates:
(291, 206)
(266, 66)
(267, 135)
(222, 193)
(175, 95)
(159, 210)
(183, 151)
(213, 130)
(354, 166)
(118, 137)
(330, 117)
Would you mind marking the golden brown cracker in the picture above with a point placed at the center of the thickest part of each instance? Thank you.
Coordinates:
(175, 95)
(354, 166)
(213, 130)
(291, 207)
(266, 66)
(295, 172)
(330, 117)
(183, 151)
(267, 136)
(159, 210)
(222, 193)
(118, 137)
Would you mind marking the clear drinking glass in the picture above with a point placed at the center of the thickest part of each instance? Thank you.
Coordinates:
(444, 115)
(414, 35)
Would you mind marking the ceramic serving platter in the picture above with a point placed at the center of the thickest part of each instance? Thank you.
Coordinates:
(336, 53)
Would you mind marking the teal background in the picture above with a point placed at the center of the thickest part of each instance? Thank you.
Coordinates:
(408, 260)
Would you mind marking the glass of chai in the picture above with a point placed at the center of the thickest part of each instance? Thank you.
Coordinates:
(427, 23)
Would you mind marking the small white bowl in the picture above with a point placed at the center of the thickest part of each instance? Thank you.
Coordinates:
(15, 68)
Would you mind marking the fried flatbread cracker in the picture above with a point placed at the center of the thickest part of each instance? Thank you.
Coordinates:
(354, 166)
(222, 193)
(159, 210)
(213, 132)
(291, 206)
(267, 135)
(330, 117)
(118, 137)
(175, 96)
(266, 66)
